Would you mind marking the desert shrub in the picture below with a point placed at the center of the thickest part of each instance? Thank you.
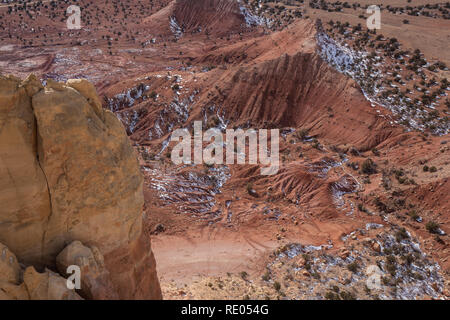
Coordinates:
(361, 207)
(409, 258)
(302, 134)
(345, 295)
(376, 152)
(353, 267)
(277, 286)
(332, 296)
(391, 265)
(432, 227)
(153, 95)
(414, 215)
(369, 167)
(401, 235)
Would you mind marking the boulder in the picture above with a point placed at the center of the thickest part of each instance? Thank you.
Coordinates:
(376, 247)
(95, 279)
(344, 254)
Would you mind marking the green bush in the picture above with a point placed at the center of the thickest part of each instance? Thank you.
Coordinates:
(432, 227)
(368, 167)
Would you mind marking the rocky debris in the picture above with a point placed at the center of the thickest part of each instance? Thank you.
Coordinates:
(19, 284)
(345, 185)
(47, 286)
(402, 270)
(399, 271)
(70, 173)
(95, 281)
(376, 247)
(344, 254)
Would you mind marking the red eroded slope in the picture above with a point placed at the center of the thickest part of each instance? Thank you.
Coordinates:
(212, 16)
(295, 89)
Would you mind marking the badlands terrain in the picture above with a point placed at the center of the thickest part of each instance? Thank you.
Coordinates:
(364, 181)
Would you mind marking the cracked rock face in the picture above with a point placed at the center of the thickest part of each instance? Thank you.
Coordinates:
(68, 172)
(24, 194)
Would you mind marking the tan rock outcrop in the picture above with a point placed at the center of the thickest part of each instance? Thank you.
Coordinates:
(23, 189)
(9, 266)
(68, 172)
